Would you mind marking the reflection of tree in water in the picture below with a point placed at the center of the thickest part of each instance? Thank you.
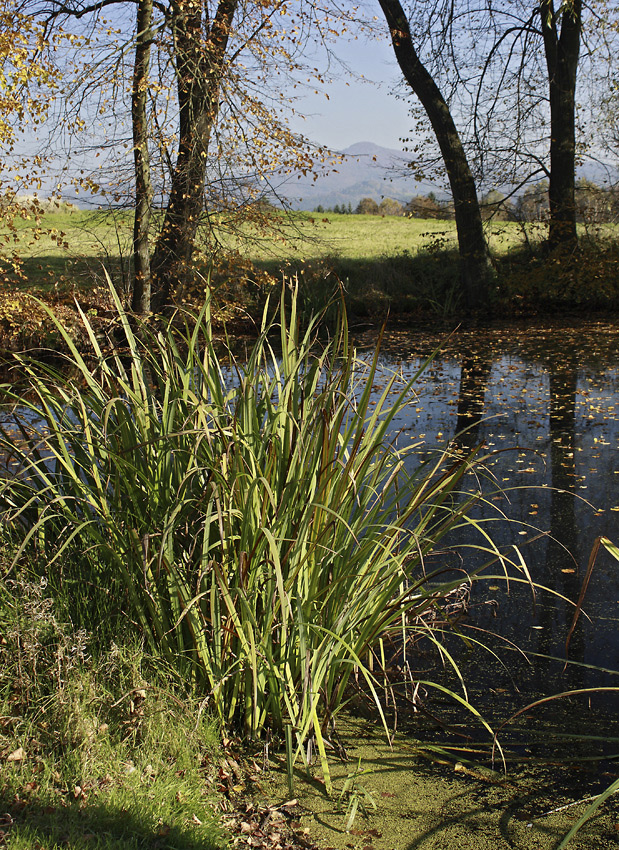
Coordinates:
(560, 569)
(548, 413)
(562, 554)
(474, 375)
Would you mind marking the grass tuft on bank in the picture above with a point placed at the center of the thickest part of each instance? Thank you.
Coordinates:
(254, 527)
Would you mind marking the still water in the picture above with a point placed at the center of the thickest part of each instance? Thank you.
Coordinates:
(543, 404)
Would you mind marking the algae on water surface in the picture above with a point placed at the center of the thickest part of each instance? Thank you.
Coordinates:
(434, 806)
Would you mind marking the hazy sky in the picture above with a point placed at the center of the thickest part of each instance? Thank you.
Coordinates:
(359, 111)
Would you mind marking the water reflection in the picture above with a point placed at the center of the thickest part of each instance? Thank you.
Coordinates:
(474, 375)
(562, 550)
(547, 403)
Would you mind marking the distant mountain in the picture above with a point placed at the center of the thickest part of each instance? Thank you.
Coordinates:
(367, 171)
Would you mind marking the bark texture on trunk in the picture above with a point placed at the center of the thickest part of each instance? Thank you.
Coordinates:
(141, 298)
(562, 50)
(200, 50)
(474, 267)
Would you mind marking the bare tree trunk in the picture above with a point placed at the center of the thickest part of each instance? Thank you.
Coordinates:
(200, 54)
(562, 61)
(474, 268)
(140, 302)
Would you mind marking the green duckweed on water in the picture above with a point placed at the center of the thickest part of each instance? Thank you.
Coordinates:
(448, 806)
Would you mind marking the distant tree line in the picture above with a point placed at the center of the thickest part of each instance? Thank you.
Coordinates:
(338, 209)
(366, 206)
(594, 205)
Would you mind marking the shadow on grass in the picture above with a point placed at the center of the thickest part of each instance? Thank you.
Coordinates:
(423, 285)
(426, 284)
(587, 277)
(91, 822)
(51, 273)
(405, 283)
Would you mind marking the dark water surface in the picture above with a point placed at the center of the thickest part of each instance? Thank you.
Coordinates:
(543, 401)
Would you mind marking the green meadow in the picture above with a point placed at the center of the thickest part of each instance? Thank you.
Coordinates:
(95, 236)
(385, 265)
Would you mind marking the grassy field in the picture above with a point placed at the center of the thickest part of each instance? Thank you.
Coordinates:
(382, 261)
(385, 266)
(95, 236)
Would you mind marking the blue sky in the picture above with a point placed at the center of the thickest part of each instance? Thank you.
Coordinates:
(354, 107)
(358, 111)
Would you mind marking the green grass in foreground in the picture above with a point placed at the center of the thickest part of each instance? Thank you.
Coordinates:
(99, 748)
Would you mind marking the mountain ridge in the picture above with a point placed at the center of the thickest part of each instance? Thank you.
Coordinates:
(367, 170)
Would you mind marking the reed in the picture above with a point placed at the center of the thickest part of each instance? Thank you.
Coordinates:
(255, 524)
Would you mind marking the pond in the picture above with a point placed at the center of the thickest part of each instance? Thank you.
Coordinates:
(542, 401)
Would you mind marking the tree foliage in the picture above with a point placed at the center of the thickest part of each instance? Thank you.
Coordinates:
(389, 206)
(182, 104)
(367, 206)
(428, 206)
(26, 78)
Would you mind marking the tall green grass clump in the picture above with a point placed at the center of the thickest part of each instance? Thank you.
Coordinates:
(255, 524)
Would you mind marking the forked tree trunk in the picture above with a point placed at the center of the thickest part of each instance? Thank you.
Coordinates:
(474, 267)
(562, 51)
(200, 51)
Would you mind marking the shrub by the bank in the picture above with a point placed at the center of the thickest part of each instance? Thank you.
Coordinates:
(587, 278)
